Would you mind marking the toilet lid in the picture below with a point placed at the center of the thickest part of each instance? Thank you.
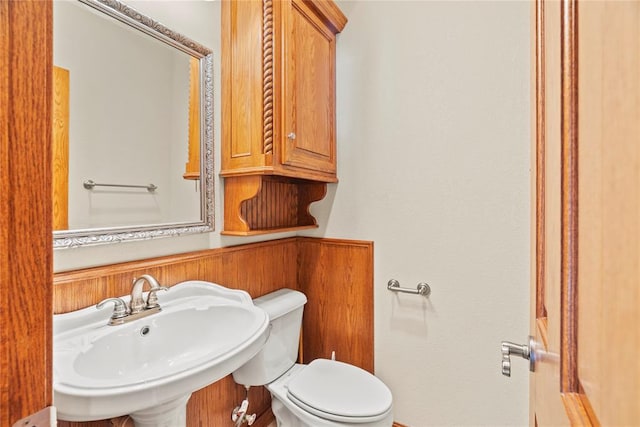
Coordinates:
(339, 391)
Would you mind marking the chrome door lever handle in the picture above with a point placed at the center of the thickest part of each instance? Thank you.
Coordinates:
(526, 351)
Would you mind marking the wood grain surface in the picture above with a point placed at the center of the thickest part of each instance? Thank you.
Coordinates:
(25, 200)
(278, 78)
(192, 167)
(609, 226)
(337, 277)
(260, 204)
(60, 134)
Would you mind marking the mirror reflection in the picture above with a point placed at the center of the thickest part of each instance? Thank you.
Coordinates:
(128, 125)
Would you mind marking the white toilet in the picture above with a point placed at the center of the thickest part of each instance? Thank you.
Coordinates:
(322, 393)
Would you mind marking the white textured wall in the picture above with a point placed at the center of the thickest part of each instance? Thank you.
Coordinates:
(433, 153)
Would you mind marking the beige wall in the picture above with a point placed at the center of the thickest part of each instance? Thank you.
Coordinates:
(433, 153)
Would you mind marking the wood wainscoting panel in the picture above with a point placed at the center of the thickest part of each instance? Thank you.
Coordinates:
(337, 277)
(257, 268)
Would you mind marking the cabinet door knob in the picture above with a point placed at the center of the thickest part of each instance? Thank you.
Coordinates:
(291, 135)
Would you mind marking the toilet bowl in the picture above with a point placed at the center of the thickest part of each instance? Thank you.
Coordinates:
(363, 402)
(324, 393)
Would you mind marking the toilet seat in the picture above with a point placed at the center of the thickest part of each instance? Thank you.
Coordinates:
(340, 392)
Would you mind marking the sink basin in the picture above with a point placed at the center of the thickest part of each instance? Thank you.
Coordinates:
(149, 367)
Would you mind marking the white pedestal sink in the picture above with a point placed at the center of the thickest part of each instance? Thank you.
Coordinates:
(149, 367)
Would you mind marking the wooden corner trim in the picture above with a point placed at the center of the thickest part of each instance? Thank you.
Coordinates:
(330, 13)
(336, 242)
(540, 142)
(579, 410)
(569, 203)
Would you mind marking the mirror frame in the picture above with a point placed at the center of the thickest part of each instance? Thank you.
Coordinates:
(95, 236)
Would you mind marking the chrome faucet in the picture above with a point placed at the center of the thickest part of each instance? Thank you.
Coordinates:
(138, 308)
(137, 304)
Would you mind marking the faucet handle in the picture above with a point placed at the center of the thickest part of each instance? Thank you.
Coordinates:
(152, 298)
(119, 309)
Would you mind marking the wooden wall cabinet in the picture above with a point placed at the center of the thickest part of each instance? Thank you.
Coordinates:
(278, 121)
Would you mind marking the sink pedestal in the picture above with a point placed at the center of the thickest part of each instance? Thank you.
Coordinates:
(170, 414)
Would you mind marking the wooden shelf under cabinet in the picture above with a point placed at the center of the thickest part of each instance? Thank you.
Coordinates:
(260, 204)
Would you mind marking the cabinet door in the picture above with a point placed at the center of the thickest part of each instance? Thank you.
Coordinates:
(309, 84)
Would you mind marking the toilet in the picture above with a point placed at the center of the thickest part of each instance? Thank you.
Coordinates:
(324, 392)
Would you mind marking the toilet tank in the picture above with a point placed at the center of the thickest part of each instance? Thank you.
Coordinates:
(280, 352)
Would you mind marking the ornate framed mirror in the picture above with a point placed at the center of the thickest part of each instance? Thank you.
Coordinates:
(132, 127)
